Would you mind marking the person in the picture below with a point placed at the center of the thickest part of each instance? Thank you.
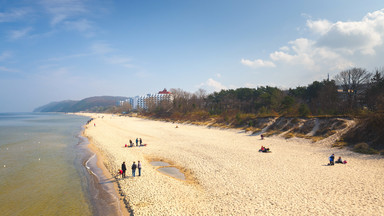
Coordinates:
(339, 160)
(262, 136)
(133, 169)
(141, 142)
(137, 141)
(130, 143)
(263, 149)
(332, 159)
(139, 167)
(123, 168)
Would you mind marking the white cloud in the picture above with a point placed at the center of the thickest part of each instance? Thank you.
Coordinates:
(319, 26)
(14, 15)
(78, 55)
(213, 85)
(84, 26)
(284, 48)
(17, 34)
(62, 10)
(302, 53)
(102, 50)
(108, 54)
(350, 37)
(257, 63)
(335, 46)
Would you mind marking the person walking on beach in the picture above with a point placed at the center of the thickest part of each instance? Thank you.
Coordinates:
(123, 168)
(139, 167)
(141, 141)
(133, 169)
(137, 141)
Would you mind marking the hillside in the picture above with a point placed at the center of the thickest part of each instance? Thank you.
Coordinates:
(91, 104)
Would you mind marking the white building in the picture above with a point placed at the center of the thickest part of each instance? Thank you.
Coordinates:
(141, 101)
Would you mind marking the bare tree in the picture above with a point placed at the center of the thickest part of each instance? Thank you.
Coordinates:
(181, 100)
(126, 107)
(150, 104)
(354, 82)
(201, 93)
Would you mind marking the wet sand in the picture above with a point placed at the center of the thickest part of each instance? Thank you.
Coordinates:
(226, 175)
(108, 201)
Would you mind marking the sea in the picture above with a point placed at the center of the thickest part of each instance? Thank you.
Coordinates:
(47, 169)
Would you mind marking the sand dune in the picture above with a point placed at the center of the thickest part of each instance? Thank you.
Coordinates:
(226, 175)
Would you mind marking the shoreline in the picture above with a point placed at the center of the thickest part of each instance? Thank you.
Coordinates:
(229, 176)
(124, 211)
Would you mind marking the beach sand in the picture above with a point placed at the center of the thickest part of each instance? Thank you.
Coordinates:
(226, 175)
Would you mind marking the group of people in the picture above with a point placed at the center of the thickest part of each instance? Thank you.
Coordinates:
(133, 167)
(89, 121)
(264, 149)
(139, 142)
(332, 160)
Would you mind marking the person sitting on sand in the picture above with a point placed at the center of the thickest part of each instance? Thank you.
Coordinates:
(130, 143)
(263, 149)
(339, 160)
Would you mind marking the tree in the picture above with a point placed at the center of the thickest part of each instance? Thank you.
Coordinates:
(125, 107)
(181, 100)
(327, 98)
(353, 81)
(304, 110)
(287, 105)
(150, 104)
(378, 77)
(374, 97)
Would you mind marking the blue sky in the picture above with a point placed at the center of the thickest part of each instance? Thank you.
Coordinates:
(53, 50)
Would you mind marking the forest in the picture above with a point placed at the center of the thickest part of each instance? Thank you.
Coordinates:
(353, 92)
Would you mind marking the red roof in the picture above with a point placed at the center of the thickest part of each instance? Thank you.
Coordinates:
(164, 92)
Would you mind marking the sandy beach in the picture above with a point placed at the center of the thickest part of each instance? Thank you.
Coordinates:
(226, 175)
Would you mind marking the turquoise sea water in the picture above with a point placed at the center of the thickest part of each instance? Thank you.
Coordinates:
(46, 169)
